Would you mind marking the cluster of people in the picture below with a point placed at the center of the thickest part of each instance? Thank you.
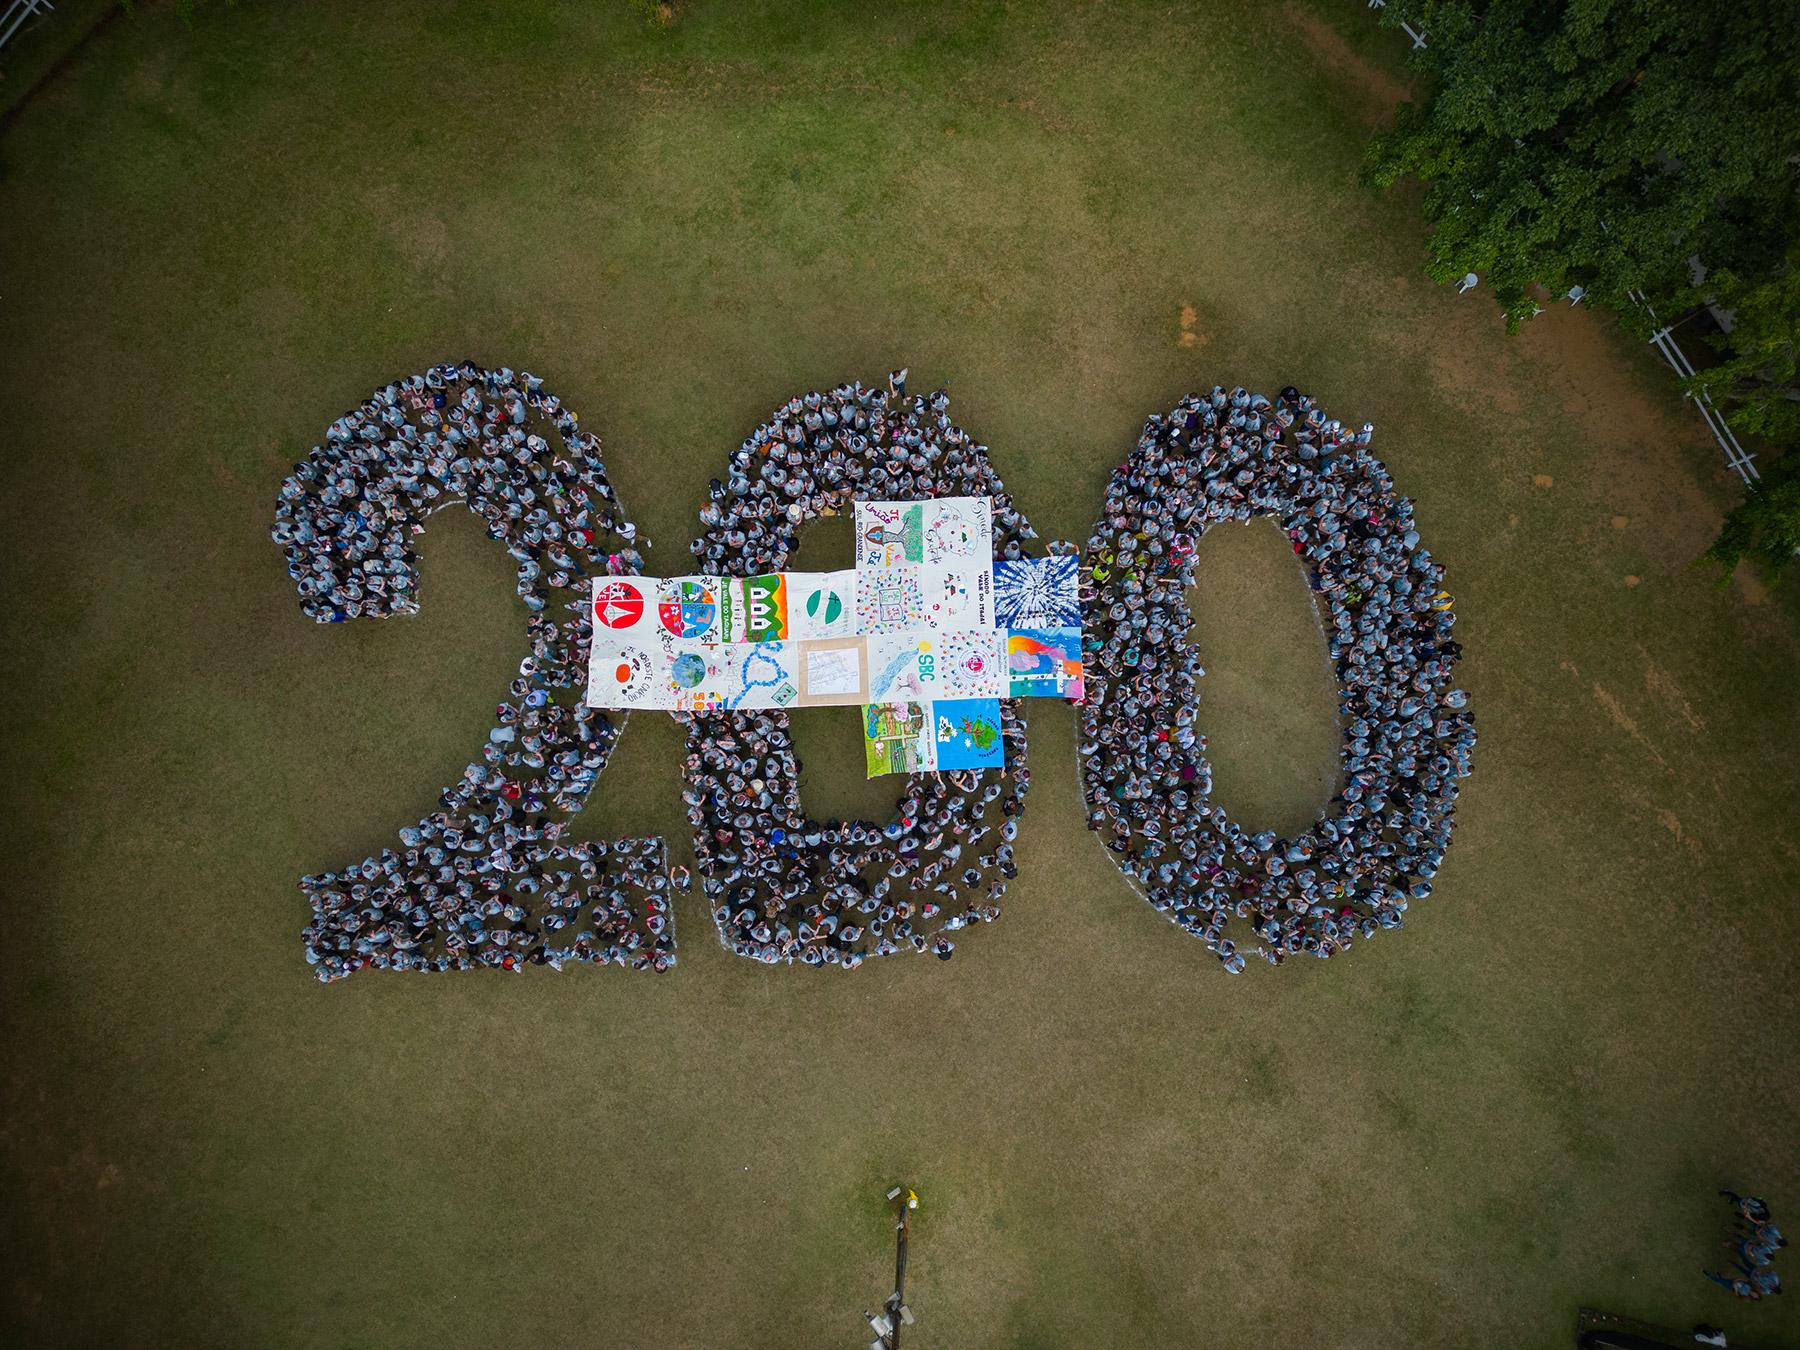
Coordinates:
(490, 879)
(1754, 1240)
(783, 887)
(1231, 456)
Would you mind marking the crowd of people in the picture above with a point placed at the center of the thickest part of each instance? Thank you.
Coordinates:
(1232, 456)
(1753, 1242)
(490, 879)
(783, 887)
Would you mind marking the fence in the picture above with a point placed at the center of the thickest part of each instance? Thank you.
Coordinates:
(17, 14)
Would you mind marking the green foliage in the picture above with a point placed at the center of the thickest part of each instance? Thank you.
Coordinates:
(1758, 383)
(1600, 143)
(1765, 526)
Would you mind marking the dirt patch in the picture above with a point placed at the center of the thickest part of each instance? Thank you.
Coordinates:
(1189, 336)
(1625, 722)
(1642, 447)
(1467, 372)
(1631, 580)
(1543, 480)
(1378, 91)
(1749, 586)
(1661, 682)
(1672, 823)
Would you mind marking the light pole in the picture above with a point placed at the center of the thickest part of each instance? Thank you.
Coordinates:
(895, 1314)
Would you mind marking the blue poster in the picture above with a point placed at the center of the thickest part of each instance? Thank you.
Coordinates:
(1036, 593)
(968, 734)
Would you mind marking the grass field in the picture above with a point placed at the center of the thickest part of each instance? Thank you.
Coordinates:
(219, 237)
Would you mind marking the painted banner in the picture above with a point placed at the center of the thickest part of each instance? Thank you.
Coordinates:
(627, 675)
(753, 609)
(822, 604)
(890, 599)
(1036, 593)
(689, 608)
(967, 731)
(624, 607)
(833, 671)
(1044, 662)
(926, 634)
(898, 738)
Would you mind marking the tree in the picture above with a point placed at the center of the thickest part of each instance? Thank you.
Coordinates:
(1600, 143)
(1758, 382)
(1765, 526)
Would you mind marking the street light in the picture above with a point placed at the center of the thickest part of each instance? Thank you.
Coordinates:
(894, 1313)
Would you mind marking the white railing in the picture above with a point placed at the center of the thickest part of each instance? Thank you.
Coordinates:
(1413, 33)
(16, 14)
(1663, 339)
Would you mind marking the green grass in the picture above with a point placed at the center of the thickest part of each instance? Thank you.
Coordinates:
(218, 237)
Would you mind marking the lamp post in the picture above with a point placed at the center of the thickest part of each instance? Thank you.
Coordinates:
(894, 1313)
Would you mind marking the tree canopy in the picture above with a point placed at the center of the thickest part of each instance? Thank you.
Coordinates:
(1601, 143)
(1765, 526)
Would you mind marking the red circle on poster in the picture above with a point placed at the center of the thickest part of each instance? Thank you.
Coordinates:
(618, 604)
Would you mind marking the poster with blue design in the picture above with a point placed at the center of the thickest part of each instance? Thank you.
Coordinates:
(1036, 593)
(967, 731)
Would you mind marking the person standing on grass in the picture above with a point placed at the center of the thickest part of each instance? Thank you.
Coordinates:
(1765, 1282)
(1756, 1251)
(1766, 1237)
(1751, 1210)
(1742, 1288)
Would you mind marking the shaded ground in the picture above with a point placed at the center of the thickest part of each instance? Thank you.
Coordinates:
(219, 238)
(1268, 706)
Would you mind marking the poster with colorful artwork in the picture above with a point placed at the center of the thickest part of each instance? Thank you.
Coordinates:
(1044, 662)
(903, 667)
(753, 609)
(956, 596)
(625, 607)
(972, 664)
(700, 676)
(958, 532)
(760, 675)
(833, 671)
(967, 731)
(627, 675)
(689, 608)
(1037, 593)
(889, 600)
(898, 738)
(821, 604)
(889, 534)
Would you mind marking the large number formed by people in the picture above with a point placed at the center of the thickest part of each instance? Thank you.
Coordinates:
(786, 888)
(491, 880)
(1408, 735)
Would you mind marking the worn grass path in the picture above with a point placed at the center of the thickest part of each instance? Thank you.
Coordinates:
(218, 238)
